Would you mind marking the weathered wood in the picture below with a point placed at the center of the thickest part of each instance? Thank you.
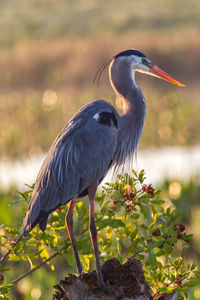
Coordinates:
(128, 279)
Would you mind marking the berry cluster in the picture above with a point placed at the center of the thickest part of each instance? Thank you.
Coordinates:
(178, 281)
(180, 228)
(130, 195)
(129, 198)
(157, 232)
(167, 237)
(148, 189)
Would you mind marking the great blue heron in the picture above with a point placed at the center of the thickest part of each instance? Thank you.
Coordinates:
(94, 140)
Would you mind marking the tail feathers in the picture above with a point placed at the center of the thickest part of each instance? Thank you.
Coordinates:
(34, 216)
(42, 219)
(43, 223)
(26, 229)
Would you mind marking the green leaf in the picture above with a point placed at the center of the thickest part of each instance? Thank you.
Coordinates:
(117, 196)
(152, 260)
(167, 249)
(134, 234)
(157, 201)
(194, 265)
(43, 252)
(85, 260)
(197, 274)
(84, 246)
(114, 223)
(145, 227)
(135, 216)
(144, 210)
(141, 176)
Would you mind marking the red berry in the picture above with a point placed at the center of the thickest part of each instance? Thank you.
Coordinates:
(148, 189)
(115, 202)
(129, 196)
(178, 281)
(129, 207)
(149, 241)
(181, 227)
(166, 236)
(156, 232)
(179, 236)
(144, 188)
(1, 277)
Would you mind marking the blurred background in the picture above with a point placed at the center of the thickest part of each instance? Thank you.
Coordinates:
(50, 52)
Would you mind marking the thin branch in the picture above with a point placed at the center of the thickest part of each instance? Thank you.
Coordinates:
(13, 246)
(40, 265)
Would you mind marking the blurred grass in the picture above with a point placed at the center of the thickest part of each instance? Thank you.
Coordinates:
(50, 52)
(44, 83)
(49, 19)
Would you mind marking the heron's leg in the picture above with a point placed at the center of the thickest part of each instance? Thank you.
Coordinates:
(69, 225)
(93, 232)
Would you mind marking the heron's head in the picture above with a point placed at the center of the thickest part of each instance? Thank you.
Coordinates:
(139, 62)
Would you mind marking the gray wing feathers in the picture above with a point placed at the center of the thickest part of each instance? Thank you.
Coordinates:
(80, 156)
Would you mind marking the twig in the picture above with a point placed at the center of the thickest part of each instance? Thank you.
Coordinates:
(13, 246)
(40, 265)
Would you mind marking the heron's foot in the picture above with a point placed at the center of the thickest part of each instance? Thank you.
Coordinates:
(108, 288)
(103, 286)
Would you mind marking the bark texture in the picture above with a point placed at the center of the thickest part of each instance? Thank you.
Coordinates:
(128, 280)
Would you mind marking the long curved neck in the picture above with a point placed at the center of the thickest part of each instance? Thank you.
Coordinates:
(122, 79)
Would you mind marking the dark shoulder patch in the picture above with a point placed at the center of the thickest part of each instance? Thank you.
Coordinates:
(130, 52)
(105, 118)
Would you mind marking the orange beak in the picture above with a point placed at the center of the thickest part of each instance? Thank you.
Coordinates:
(155, 71)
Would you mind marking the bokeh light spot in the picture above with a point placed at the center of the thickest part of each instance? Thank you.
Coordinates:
(49, 100)
(175, 189)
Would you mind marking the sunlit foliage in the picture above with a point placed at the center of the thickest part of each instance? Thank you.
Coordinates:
(132, 220)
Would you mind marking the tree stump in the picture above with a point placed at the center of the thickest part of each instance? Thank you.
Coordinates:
(128, 280)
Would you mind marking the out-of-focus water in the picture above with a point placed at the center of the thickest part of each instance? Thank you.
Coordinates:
(159, 164)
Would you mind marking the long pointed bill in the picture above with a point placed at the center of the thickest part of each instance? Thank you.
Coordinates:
(161, 74)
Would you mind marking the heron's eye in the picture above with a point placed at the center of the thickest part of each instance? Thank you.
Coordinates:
(144, 61)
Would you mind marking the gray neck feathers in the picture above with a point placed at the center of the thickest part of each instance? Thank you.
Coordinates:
(132, 121)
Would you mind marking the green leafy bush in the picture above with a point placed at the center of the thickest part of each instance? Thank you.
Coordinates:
(132, 220)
